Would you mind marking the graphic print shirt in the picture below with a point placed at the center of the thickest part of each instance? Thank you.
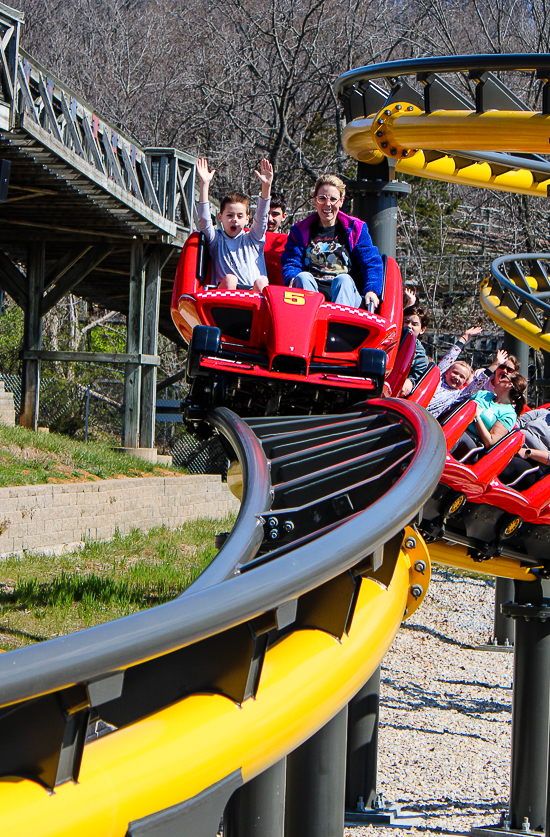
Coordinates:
(327, 253)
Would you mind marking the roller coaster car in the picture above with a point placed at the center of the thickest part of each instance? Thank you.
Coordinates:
(285, 350)
(473, 507)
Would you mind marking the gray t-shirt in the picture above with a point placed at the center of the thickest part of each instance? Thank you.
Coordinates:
(535, 425)
(242, 255)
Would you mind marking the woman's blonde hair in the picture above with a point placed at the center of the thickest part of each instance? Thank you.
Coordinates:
(330, 180)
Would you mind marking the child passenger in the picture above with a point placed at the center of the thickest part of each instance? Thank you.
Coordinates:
(237, 255)
(416, 319)
(457, 382)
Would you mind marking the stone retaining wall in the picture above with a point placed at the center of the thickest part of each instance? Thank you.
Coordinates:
(7, 408)
(52, 518)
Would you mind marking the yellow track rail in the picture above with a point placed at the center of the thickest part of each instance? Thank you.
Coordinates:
(178, 752)
(432, 145)
(511, 322)
(456, 555)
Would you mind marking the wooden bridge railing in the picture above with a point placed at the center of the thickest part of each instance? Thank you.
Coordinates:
(161, 179)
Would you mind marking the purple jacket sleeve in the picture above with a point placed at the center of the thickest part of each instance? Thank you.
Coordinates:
(368, 263)
(292, 258)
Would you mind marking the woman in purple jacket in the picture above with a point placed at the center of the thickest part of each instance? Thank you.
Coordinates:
(332, 252)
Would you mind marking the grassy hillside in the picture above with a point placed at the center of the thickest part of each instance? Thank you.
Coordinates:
(43, 596)
(28, 458)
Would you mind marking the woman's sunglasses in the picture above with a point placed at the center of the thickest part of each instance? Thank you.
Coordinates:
(510, 369)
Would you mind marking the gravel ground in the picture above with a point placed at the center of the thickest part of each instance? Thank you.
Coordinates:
(445, 713)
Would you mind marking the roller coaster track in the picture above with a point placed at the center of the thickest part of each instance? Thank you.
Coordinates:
(474, 131)
(455, 119)
(286, 624)
(515, 297)
(147, 725)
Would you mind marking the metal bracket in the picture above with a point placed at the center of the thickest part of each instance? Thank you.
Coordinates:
(196, 817)
(526, 611)
(440, 95)
(491, 94)
(383, 812)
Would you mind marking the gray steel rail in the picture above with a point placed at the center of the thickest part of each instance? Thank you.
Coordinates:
(248, 532)
(528, 62)
(519, 291)
(97, 652)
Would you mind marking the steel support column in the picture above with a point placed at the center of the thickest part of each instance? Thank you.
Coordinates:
(362, 750)
(258, 808)
(134, 342)
(545, 385)
(32, 340)
(151, 306)
(315, 783)
(375, 194)
(503, 627)
(515, 346)
(530, 705)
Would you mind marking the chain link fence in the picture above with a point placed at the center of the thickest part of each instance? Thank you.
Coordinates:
(96, 412)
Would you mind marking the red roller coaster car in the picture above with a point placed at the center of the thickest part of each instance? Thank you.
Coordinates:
(289, 351)
(286, 350)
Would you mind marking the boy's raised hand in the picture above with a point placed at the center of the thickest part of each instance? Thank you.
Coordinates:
(205, 176)
(265, 175)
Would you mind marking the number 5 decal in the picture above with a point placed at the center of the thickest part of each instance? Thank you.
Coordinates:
(294, 298)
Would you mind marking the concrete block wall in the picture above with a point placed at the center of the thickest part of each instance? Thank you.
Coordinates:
(7, 407)
(54, 518)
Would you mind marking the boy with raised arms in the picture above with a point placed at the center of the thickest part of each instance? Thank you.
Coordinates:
(237, 255)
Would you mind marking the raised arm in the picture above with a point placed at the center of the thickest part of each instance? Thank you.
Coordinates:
(265, 176)
(205, 178)
(261, 216)
(203, 206)
(455, 350)
(410, 296)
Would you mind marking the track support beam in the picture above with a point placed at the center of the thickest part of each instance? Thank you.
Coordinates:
(515, 346)
(375, 195)
(362, 752)
(134, 343)
(32, 340)
(503, 627)
(315, 788)
(530, 711)
(258, 808)
(530, 708)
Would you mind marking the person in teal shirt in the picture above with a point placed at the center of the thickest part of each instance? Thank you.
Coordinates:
(496, 415)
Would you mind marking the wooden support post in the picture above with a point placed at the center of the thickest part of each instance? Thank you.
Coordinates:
(134, 339)
(150, 345)
(30, 384)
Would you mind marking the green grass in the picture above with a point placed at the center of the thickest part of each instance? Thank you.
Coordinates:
(28, 458)
(42, 597)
